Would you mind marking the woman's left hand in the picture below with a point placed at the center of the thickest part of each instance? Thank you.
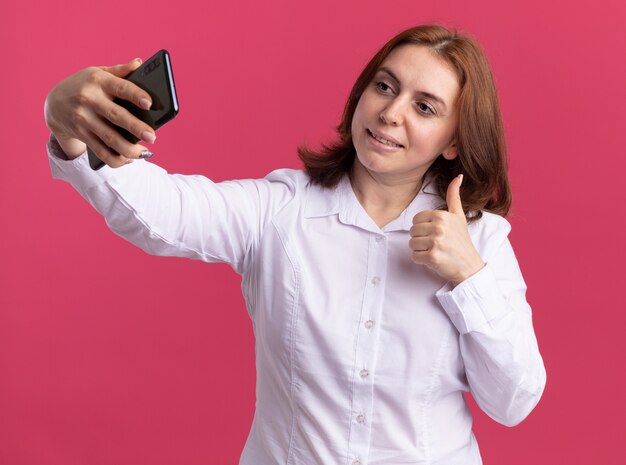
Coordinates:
(441, 241)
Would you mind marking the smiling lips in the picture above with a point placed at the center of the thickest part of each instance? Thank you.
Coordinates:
(386, 140)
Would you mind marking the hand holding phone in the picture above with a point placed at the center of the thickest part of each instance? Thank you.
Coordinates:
(156, 78)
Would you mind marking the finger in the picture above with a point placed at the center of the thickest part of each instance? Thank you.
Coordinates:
(120, 116)
(126, 90)
(116, 163)
(421, 229)
(114, 141)
(424, 216)
(420, 244)
(453, 196)
(124, 69)
(102, 151)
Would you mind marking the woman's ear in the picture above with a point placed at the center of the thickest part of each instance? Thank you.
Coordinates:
(450, 152)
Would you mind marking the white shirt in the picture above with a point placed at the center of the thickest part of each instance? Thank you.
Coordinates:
(362, 356)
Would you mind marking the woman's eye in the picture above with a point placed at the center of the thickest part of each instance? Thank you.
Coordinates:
(424, 108)
(383, 87)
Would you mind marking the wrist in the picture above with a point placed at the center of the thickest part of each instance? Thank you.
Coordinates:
(71, 148)
(476, 266)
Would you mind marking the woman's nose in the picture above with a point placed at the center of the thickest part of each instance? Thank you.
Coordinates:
(392, 114)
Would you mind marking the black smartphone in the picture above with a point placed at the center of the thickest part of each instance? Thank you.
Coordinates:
(155, 77)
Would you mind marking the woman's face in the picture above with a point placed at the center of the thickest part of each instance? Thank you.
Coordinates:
(407, 115)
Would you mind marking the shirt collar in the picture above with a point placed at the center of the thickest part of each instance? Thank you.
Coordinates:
(341, 200)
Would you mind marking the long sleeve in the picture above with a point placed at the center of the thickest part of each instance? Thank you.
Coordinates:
(503, 365)
(178, 215)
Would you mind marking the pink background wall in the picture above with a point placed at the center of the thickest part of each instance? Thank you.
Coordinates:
(110, 356)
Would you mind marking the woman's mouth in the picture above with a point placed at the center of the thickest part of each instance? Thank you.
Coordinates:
(382, 140)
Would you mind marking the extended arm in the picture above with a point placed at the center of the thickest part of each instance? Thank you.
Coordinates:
(164, 214)
(179, 215)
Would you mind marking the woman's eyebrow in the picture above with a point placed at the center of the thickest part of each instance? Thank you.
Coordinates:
(421, 93)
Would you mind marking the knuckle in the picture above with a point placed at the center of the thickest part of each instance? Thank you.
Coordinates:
(81, 99)
(439, 229)
(92, 75)
(77, 118)
(439, 215)
(121, 88)
(112, 114)
(108, 137)
(138, 128)
(421, 217)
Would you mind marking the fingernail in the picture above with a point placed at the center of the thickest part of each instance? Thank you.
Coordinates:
(138, 59)
(461, 180)
(148, 136)
(146, 154)
(130, 160)
(145, 103)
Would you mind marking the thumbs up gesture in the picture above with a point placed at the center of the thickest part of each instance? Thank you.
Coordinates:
(441, 241)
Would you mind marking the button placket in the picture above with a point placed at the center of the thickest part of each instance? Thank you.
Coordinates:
(366, 350)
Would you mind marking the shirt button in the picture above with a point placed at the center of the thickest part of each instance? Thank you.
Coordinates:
(375, 280)
(364, 373)
(360, 418)
(368, 324)
(356, 462)
(379, 238)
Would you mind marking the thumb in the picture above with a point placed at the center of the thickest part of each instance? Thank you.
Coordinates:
(123, 70)
(453, 196)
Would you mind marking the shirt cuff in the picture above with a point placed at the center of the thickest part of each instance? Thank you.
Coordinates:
(56, 149)
(76, 171)
(475, 302)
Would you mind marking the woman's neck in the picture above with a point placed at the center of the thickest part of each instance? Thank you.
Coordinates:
(384, 198)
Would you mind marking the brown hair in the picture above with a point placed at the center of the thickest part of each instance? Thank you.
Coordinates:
(479, 136)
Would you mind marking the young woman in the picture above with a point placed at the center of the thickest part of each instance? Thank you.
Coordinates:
(380, 280)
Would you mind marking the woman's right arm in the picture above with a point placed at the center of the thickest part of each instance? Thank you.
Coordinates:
(163, 214)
